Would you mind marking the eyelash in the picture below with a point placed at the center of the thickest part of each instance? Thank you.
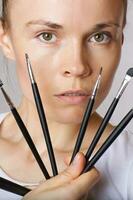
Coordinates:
(104, 34)
(91, 39)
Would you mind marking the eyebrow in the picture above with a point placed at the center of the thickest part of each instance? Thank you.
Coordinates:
(44, 23)
(53, 25)
(105, 25)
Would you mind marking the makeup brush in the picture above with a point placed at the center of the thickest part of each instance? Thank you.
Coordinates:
(42, 117)
(115, 133)
(109, 113)
(25, 133)
(13, 187)
(86, 117)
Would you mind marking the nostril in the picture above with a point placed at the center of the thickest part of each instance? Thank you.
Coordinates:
(67, 73)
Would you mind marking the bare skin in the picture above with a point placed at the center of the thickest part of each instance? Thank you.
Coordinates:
(67, 184)
(27, 162)
(69, 60)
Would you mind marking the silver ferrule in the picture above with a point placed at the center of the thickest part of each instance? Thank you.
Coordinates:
(96, 87)
(7, 98)
(30, 71)
(123, 86)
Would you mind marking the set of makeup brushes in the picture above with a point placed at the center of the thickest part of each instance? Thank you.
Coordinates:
(90, 161)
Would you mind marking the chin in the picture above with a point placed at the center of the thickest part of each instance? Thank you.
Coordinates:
(69, 117)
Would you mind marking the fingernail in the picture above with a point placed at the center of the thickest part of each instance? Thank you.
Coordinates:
(76, 159)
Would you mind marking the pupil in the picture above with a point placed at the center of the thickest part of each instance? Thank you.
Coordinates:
(99, 37)
(47, 36)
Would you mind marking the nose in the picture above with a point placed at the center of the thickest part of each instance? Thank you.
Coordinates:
(76, 61)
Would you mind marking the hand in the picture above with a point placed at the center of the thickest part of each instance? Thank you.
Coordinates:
(68, 185)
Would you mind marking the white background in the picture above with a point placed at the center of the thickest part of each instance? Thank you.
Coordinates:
(8, 76)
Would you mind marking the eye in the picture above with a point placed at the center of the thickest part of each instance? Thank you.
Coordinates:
(101, 38)
(47, 37)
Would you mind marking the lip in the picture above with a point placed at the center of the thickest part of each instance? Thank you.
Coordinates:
(73, 96)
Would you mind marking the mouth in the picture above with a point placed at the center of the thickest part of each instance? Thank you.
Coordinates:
(73, 96)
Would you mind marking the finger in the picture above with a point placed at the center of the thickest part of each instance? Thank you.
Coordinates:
(77, 189)
(75, 169)
(71, 189)
(72, 172)
(84, 183)
(67, 159)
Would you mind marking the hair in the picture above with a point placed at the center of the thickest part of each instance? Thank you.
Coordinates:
(5, 6)
(4, 12)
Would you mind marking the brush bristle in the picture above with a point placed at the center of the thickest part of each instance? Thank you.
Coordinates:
(26, 56)
(130, 72)
(101, 70)
(1, 84)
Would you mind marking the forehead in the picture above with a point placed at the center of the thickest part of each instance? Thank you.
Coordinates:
(67, 11)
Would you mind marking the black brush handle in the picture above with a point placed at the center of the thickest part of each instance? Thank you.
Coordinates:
(115, 133)
(29, 142)
(101, 128)
(83, 128)
(13, 187)
(44, 128)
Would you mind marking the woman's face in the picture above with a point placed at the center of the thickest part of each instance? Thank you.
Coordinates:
(67, 42)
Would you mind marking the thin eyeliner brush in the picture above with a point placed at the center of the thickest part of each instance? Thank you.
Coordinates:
(109, 113)
(13, 187)
(25, 133)
(115, 133)
(42, 117)
(86, 117)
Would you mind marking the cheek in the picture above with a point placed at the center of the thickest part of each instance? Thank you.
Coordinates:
(42, 65)
(110, 64)
(24, 80)
(109, 60)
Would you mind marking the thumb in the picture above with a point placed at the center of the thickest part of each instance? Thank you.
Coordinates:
(74, 170)
(69, 174)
